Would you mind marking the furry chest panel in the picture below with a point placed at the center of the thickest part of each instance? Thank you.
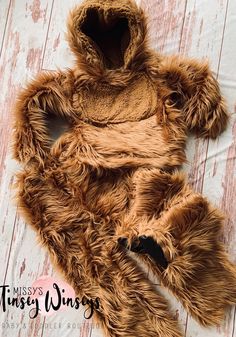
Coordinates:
(108, 104)
(123, 145)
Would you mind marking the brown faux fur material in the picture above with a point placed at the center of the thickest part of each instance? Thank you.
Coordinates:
(114, 173)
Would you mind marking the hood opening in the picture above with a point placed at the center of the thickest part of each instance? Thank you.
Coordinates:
(109, 33)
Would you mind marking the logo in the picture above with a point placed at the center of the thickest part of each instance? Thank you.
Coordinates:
(46, 296)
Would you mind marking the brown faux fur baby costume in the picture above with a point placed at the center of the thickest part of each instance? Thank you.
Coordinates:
(110, 182)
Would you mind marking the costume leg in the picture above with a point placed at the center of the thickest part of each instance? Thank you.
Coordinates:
(83, 247)
(185, 228)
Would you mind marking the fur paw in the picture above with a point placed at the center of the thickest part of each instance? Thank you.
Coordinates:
(206, 115)
(146, 245)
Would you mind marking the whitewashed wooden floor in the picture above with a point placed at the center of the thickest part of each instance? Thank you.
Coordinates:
(31, 39)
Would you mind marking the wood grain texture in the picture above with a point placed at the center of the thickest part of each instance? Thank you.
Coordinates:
(202, 37)
(14, 70)
(22, 52)
(5, 7)
(32, 36)
(57, 52)
(220, 173)
(165, 23)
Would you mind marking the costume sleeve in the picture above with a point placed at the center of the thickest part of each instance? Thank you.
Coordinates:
(193, 263)
(195, 91)
(49, 94)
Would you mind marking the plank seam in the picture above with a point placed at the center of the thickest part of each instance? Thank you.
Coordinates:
(217, 75)
(46, 39)
(179, 50)
(234, 321)
(5, 28)
(9, 253)
(208, 141)
(44, 319)
(186, 325)
(182, 28)
(223, 35)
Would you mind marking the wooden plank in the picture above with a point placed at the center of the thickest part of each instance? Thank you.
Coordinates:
(8, 216)
(97, 330)
(202, 38)
(26, 263)
(165, 23)
(219, 180)
(22, 52)
(203, 29)
(19, 42)
(5, 6)
(57, 52)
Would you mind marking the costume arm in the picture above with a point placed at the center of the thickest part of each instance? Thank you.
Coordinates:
(196, 92)
(49, 93)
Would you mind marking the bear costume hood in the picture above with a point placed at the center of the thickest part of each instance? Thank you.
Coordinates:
(111, 182)
(108, 36)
